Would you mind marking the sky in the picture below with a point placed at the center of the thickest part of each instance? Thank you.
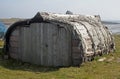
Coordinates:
(107, 9)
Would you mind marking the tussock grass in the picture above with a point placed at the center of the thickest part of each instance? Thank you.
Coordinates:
(12, 69)
(1, 43)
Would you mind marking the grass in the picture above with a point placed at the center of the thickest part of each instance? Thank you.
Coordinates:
(1, 43)
(9, 20)
(11, 69)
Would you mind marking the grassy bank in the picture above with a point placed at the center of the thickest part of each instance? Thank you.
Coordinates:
(108, 69)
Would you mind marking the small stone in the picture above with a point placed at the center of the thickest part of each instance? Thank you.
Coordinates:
(112, 58)
(102, 59)
(118, 60)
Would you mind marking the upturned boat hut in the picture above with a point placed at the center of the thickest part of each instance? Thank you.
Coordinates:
(50, 39)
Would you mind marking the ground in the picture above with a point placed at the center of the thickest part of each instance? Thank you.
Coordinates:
(107, 69)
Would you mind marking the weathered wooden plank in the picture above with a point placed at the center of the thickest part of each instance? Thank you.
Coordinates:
(30, 36)
(33, 46)
(49, 43)
(34, 42)
(55, 46)
(23, 44)
(65, 51)
(38, 59)
(39, 44)
(29, 44)
(24, 56)
(69, 38)
(42, 44)
(60, 53)
(20, 44)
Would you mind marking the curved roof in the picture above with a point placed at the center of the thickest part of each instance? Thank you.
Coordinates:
(91, 25)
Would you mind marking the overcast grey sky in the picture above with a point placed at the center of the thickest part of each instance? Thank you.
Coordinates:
(107, 9)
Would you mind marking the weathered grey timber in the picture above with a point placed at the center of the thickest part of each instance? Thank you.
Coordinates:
(51, 39)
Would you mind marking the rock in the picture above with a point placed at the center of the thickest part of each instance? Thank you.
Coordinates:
(102, 59)
(118, 60)
(69, 12)
(112, 58)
